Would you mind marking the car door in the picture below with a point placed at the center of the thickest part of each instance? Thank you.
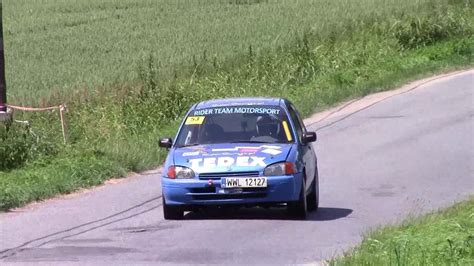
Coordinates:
(306, 149)
(312, 161)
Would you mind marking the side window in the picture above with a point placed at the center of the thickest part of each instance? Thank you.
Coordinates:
(303, 127)
(296, 120)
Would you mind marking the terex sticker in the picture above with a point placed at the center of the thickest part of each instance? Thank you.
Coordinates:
(194, 120)
(242, 161)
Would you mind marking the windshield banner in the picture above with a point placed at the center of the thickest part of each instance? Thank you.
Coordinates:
(237, 110)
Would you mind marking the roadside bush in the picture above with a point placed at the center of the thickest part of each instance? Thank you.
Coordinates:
(19, 144)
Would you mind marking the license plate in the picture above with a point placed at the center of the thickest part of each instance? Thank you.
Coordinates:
(244, 182)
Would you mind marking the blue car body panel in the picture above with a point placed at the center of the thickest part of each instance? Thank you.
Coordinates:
(211, 162)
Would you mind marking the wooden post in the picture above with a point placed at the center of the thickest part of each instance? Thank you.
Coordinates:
(62, 110)
(3, 85)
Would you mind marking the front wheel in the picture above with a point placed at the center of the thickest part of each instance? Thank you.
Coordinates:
(313, 197)
(171, 212)
(299, 209)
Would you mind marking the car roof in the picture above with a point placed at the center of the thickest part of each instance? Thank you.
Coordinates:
(240, 101)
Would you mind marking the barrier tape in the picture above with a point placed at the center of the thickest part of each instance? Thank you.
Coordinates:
(62, 109)
(32, 109)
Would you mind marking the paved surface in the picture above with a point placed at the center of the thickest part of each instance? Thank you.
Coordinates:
(406, 155)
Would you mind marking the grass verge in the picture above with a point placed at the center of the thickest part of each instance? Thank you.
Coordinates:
(113, 129)
(442, 238)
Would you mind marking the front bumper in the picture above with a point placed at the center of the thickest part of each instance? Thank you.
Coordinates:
(198, 192)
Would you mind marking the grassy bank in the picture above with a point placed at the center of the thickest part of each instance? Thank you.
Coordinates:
(441, 238)
(114, 125)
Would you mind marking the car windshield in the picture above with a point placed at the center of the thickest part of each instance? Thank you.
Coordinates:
(233, 124)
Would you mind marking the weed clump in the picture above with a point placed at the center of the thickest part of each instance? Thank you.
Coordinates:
(15, 148)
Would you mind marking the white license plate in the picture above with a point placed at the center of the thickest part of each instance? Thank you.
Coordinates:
(230, 182)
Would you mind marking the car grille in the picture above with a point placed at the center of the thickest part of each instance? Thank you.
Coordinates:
(203, 190)
(209, 193)
(228, 196)
(218, 176)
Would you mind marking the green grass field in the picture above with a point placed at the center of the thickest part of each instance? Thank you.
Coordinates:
(441, 238)
(58, 46)
(129, 69)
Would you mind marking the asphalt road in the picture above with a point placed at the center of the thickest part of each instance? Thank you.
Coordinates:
(405, 155)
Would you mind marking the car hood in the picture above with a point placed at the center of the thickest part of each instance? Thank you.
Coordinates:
(238, 157)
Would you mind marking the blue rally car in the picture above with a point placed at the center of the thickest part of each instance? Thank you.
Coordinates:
(241, 152)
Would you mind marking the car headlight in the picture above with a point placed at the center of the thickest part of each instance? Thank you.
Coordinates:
(180, 172)
(283, 168)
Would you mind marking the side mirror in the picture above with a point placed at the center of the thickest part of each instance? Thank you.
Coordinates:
(309, 136)
(166, 143)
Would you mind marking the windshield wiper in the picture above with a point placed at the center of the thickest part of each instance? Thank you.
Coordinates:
(189, 145)
(250, 141)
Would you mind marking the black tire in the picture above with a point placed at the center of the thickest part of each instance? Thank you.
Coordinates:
(299, 209)
(313, 197)
(171, 212)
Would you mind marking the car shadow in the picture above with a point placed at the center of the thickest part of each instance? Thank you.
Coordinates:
(323, 214)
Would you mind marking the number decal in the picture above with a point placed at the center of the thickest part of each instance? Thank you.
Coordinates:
(195, 120)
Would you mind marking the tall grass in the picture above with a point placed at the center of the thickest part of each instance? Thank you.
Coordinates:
(174, 53)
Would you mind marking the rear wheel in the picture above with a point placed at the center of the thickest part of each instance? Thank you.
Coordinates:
(313, 197)
(171, 212)
(298, 209)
